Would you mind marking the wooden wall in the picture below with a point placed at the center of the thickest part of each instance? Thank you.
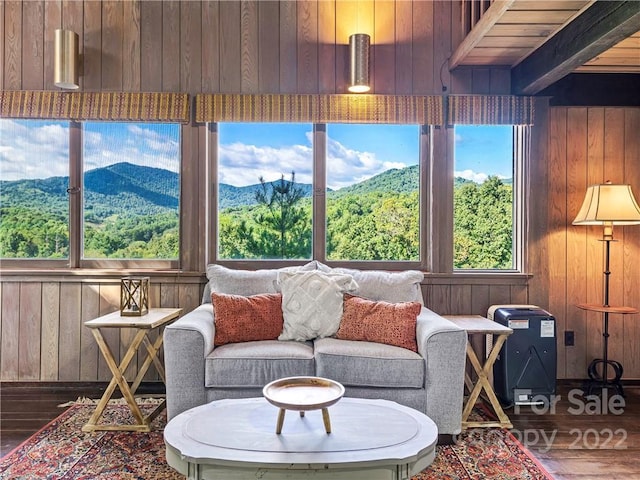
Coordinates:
(587, 146)
(301, 47)
(239, 46)
(42, 332)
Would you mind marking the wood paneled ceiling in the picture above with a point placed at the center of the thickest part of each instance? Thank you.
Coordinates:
(545, 40)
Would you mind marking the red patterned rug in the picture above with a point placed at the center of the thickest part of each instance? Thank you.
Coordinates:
(61, 451)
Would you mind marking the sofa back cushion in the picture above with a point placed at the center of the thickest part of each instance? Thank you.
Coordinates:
(392, 287)
(244, 319)
(245, 282)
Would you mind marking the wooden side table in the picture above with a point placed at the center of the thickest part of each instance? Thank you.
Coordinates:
(156, 318)
(476, 324)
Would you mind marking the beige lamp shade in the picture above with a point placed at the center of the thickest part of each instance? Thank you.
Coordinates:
(608, 204)
(359, 63)
(65, 63)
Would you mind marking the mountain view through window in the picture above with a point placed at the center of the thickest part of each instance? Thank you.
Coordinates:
(265, 184)
(130, 190)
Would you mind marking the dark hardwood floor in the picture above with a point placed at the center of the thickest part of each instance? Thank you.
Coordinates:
(27, 407)
(575, 439)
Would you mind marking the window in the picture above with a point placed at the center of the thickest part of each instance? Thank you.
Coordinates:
(127, 203)
(373, 207)
(265, 183)
(131, 190)
(34, 209)
(484, 197)
(266, 191)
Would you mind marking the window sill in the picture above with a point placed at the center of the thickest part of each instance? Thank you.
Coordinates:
(103, 275)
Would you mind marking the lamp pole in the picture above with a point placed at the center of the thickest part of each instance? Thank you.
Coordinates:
(607, 205)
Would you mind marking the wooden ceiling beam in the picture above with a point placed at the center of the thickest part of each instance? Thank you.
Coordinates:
(597, 29)
(477, 33)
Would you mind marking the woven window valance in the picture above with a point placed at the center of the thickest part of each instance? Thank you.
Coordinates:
(114, 106)
(422, 110)
(490, 110)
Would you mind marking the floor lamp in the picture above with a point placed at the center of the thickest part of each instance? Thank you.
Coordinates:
(607, 205)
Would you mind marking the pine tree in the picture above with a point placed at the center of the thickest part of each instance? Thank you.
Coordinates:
(283, 219)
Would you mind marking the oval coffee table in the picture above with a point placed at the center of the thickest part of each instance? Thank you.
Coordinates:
(235, 439)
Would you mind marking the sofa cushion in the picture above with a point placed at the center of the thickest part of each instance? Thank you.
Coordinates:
(312, 303)
(393, 287)
(242, 319)
(245, 282)
(368, 364)
(381, 322)
(254, 364)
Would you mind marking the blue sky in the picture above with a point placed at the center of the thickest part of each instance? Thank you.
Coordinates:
(39, 149)
(354, 152)
(483, 150)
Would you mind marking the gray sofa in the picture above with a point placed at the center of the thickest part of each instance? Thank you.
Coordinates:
(430, 380)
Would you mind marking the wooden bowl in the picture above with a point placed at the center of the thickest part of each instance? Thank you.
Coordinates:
(303, 393)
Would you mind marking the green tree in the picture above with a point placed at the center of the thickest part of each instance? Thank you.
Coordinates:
(483, 225)
(373, 226)
(284, 230)
(235, 236)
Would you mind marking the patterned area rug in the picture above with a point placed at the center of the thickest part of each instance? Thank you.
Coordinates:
(61, 451)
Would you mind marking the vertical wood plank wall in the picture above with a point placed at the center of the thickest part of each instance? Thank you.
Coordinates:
(590, 145)
(301, 47)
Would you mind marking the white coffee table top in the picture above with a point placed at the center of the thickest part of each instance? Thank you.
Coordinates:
(241, 432)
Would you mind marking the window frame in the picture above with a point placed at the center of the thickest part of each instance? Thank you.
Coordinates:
(75, 191)
(521, 135)
(318, 249)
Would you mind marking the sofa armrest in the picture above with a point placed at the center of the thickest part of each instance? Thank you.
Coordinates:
(443, 346)
(187, 342)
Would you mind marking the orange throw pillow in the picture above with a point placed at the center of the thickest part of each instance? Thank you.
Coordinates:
(245, 319)
(380, 322)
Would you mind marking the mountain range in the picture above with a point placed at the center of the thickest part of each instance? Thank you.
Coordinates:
(128, 188)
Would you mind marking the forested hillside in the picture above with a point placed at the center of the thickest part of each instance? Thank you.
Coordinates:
(132, 212)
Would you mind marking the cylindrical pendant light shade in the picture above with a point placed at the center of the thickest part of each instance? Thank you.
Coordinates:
(65, 64)
(359, 63)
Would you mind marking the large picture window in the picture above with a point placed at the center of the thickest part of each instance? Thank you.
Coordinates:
(373, 186)
(34, 170)
(131, 190)
(126, 201)
(484, 197)
(265, 184)
(369, 192)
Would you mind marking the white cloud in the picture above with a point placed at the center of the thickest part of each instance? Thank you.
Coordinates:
(33, 152)
(346, 166)
(477, 177)
(30, 150)
(153, 139)
(242, 164)
(41, 151)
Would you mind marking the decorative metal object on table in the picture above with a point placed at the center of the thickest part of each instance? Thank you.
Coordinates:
(134, 296)
(607, 205)
(303, 394)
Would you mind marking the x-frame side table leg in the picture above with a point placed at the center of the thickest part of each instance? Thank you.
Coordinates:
(119, 380)
(483, 383)
(152, 356)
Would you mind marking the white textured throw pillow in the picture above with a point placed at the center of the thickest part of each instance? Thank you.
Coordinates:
(312, 303)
